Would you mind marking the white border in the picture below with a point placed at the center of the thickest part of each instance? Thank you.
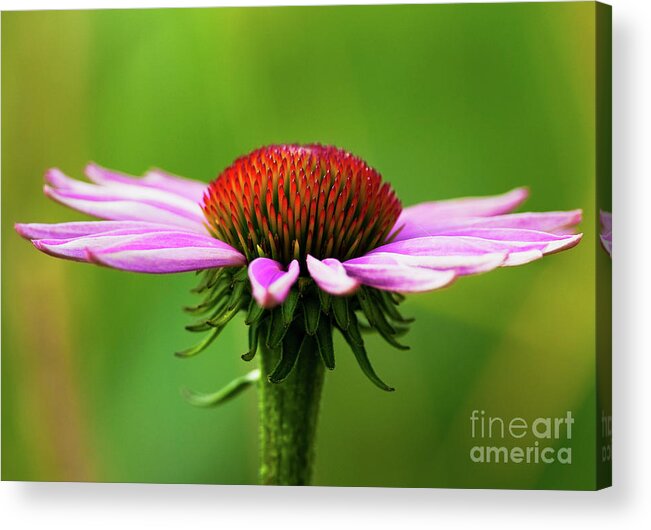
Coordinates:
(626, 505)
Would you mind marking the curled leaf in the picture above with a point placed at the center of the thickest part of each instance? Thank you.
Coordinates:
(232, 389)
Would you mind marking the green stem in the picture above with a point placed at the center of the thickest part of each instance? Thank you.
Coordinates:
(288, 417)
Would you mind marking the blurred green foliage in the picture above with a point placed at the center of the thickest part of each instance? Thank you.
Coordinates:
(445, 101)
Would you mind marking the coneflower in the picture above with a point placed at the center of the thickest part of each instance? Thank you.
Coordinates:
(305, 239)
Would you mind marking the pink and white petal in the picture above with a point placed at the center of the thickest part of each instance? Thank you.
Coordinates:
(165, 252)
(522, 257)
(82, 248)
(480, 240)
(515, 235)
(117, 191)
(192, 190)
(554, 222)
(418, 220)
(519, 252)
(399, 278)
(461, 264)
(80, 228)
(160, 261)
(76, 248)
(270, 283)
(330, 275)
(126, 210)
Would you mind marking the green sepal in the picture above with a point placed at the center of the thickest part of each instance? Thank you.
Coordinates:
(365, 328)
(277, 329)
(209, 279)
(311, 311)
(224, 317)
(241, 275)
(236, 295)
(353, 329)
(377, 319)
(232, 389)
(340, 310)
(217, 294)
(203, 325)
(326, 300)
(254, 331)
(400, 331)
(397, 298)
(390, 308)
(292, 345)
(324, 343)
(354, 340)
(199, 327)
(255, 312)
(289, 306)
(191, 352)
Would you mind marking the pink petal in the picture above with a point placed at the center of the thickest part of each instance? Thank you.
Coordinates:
(117, 191)
(125, 202)
(330, 275)
(554, 222)
(125, 210)
(417, 221)
(271, 284)
(145, 250)
(164, 252)
(77, 229)
(155, 178)
(516, 235)
(461, 264)
(522, 246)
(398, 277)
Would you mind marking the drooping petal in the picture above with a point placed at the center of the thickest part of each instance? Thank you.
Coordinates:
(121, 202)
(159, 248)
(461, 264)
(270, 283)
(522, 246)
(399, 277)
(80, 228)
(330, 275)
(418, 220)
(161, 253)
(155, 178)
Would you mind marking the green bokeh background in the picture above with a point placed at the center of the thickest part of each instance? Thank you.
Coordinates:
(446, 101)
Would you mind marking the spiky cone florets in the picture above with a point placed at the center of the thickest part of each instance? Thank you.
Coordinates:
(286, 202)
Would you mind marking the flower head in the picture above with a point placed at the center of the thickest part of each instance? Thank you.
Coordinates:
(304, 238)
(286, 202)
